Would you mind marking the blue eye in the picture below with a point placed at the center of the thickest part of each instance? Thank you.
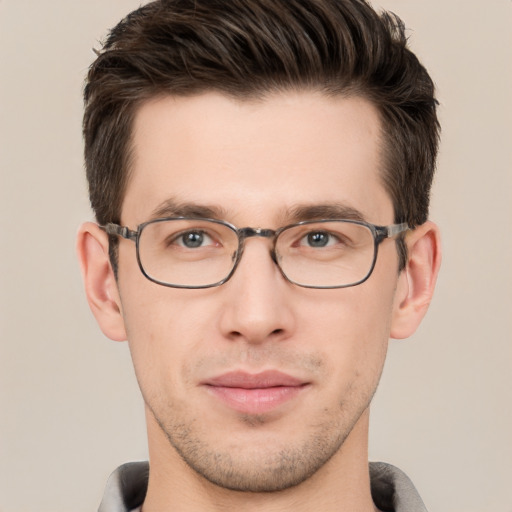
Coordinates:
(319, 239)
(193, 239)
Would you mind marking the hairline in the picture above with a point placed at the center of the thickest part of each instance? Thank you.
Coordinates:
(259, 95)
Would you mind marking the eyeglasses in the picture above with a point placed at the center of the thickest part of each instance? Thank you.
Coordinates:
(184, 252)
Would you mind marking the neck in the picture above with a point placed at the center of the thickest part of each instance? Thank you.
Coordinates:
(340, 485)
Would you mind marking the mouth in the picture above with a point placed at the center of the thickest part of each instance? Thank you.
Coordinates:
(255, 393)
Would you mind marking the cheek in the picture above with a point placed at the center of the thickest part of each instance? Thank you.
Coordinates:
(164, 331)
(351, 329)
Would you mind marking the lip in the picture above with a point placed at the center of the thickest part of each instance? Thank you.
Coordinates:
(255, 393)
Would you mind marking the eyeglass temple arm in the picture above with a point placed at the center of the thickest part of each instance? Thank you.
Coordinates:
(116, 229)
(396, 229)
(383, 232)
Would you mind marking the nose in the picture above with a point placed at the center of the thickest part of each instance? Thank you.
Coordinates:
(258, 301)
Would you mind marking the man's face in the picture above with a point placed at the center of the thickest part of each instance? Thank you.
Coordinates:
(257, 383)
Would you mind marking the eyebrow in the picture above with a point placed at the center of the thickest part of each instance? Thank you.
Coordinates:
(172, 208)
(331, 211)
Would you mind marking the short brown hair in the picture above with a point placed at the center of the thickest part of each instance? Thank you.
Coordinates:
(248, 48)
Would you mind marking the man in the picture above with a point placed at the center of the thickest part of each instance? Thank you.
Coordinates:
(260, 173)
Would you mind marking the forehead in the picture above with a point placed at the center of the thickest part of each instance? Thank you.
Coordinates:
(254, 159)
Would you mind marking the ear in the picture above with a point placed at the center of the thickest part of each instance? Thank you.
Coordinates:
(417, 280)
(99, 280)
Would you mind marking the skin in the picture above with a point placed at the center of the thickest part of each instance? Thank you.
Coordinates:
(253, 162)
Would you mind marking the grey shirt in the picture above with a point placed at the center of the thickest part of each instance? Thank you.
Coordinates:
(392, 491)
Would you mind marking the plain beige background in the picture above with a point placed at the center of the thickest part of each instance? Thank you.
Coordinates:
(69, 405)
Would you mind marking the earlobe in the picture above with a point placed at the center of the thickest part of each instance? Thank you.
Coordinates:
(417, 280)
(99, 280)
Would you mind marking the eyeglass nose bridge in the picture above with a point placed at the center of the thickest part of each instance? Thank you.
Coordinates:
(244, 233)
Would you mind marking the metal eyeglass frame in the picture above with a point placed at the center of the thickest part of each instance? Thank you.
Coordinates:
(380, 233)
